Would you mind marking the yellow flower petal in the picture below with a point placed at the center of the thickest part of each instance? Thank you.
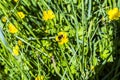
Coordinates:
(16, 50)
(45, 16)
(39, 78)
(15, 0)
(19, 42)
(51, 14)
(114, 14)
(21, 14)
(12, 28)
(48, 15)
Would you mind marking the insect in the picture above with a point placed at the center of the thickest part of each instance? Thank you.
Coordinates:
(60, 37)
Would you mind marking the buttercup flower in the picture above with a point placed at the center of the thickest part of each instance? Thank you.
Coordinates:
(12, 28)
(45, 15)
(19, 42)
(51, 14)
(48, 15)
(15, 0)
(62, 38)
(114, 14)
(21, 14)
(39, 78)
(16, 50)
(4, 19)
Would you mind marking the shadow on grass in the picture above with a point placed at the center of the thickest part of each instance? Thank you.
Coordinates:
(110, 70)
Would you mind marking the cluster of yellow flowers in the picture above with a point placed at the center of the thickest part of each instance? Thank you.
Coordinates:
(62, 38)
(16, 48)
(48, 15)
(114, 14)
(12, 28)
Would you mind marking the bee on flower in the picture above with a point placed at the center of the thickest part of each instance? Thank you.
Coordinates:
(48, 15)
(21, 14)
(62, 38)
(12, 28)
(114, 14)
(16, 50)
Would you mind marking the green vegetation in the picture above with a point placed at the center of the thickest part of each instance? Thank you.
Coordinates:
(89, 49)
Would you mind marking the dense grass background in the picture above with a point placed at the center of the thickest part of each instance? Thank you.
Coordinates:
(92, 52)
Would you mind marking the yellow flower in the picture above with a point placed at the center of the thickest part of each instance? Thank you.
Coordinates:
(92, 68)
(51, 14)
(21, 14)
(62, 38)
(12, 28)
(39, 78)
(16, 50)
(4, 19)
(48, 15)
(45, 15)
(15, 0)
(19, 42)
(114, 14)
